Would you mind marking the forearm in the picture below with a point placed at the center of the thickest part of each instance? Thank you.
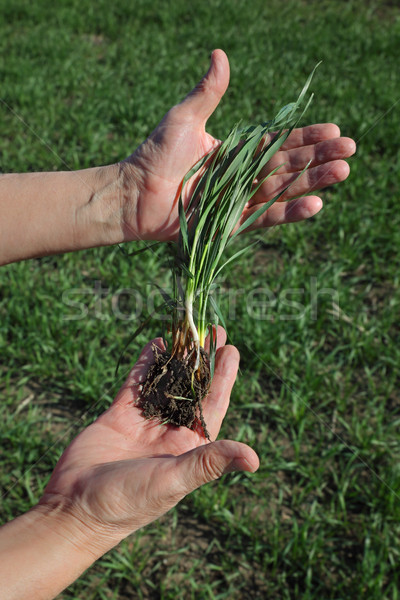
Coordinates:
(44, 551)
(49, 213)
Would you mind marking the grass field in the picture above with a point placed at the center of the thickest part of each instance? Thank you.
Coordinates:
(82, 84)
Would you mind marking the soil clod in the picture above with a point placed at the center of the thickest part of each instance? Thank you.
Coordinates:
(173, 391)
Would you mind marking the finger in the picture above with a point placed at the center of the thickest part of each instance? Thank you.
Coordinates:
(216, 403)
(138, 373)
(159, 483)
(219, 335)
(312, 134)
(291, 161)
(209, 462)
(313, 179)
(201, 102)
(281, 213)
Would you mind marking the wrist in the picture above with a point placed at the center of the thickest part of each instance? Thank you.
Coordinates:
(99, 220)
(44, 550)
(85, 538)
(130, 181)
(112, 207)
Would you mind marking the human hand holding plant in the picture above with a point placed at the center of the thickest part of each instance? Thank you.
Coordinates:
(118, 475)
(151, 177)
(136, 199)
(124, 471)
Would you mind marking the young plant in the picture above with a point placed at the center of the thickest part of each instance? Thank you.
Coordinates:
(227, 179)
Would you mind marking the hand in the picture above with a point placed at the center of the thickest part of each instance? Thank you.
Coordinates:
(159, 165)
(123, 471)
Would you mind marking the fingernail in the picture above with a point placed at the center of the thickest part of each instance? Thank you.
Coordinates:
(239, 463)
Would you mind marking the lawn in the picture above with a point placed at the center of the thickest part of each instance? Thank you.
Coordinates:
(314, 310)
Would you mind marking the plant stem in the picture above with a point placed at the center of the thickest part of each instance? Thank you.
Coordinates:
(192, 327)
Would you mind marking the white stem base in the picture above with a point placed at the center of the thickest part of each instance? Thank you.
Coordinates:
(193, 329)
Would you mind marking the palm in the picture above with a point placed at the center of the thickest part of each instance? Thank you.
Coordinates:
(180, 140)
(176, 145)
(163, 161)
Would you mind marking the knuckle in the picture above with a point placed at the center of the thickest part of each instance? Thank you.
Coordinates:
(209, 467)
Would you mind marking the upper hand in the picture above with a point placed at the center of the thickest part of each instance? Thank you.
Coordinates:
(150, 208)
(124, 471)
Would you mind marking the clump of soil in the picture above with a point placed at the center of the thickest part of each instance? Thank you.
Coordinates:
(173, 393)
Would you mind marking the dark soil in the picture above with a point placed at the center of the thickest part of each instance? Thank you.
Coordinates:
(173, 393)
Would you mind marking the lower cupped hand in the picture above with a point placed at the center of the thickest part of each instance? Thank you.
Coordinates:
(124, 471)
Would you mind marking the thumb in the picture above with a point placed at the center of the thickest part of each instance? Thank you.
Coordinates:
(209, 462)
(205, 97)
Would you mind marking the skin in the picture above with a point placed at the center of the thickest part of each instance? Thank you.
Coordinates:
(181, 140)
(136, 199)
(122, 472)
(118, 475)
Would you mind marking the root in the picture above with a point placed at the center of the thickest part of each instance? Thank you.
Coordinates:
(174, 390)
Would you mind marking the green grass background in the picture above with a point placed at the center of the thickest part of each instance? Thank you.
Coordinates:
(82, 84)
